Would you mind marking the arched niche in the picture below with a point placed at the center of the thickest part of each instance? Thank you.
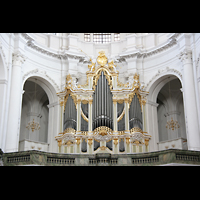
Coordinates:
(168, 107)
(46, 85)
(40, 106)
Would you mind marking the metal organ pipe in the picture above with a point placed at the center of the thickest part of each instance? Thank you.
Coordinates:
(105, 102)
(70, 114)
(102, 104)
(108, 106)
(95, 103)
(135, 114)
(102, 99)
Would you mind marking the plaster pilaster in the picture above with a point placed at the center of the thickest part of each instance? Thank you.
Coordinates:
(14, 115)
(190, 101)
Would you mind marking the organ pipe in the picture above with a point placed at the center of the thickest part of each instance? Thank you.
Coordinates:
(135, 114)
(70, 114)
(102, 104)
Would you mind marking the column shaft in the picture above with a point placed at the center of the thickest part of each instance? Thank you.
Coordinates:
(126, 115)
(190, 101)
(78, 127)
(14, 114)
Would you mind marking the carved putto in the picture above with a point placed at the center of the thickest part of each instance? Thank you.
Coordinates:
(112, 66)
(92, 66)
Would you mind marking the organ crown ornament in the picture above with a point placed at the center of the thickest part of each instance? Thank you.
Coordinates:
(102, 59)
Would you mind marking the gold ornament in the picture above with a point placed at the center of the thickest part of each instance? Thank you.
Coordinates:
(33, 126)
(102, 59)
(172, 124)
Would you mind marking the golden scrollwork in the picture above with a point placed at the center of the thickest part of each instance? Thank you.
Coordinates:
(103, 148)
(68, 143)
(120, 84)
(137, 142)
(98, 74)
(84, 85)
(103, 130)
(68, 81)
(136, 129)
(69, 130)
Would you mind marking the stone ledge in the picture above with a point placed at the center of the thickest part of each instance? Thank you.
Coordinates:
(165, 157)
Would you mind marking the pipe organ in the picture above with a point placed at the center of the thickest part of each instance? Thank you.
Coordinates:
(104, 115)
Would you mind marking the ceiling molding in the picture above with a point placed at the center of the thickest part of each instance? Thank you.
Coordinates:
(122, 58)
(171, 42)
(64, 55)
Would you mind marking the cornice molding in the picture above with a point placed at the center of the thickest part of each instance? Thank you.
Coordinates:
(152, 103)
(171, 42)
(122, 58)
(53, 104)
(64, 55)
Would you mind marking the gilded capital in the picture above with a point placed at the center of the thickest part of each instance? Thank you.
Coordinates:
(59, 143)
(115, 141)
(146, 142)
(78, 101)
(114, 101)
(127, 140)
(78, 141)
(90, 141)
(18, 58)
(126, 100)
